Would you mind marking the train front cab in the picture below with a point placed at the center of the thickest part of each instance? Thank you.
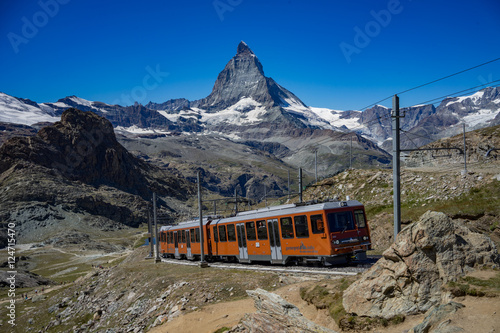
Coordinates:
(335, 236)
(349, 234)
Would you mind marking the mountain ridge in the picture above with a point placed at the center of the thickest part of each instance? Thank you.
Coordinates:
(245, 105)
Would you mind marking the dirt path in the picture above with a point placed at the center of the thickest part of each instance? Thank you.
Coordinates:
(479, 315)
(208, 319)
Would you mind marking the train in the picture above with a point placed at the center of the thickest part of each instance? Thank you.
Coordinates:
(326, 233)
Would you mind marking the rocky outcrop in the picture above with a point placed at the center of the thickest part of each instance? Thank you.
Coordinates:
(408, 279)
(74, 175)
(81, 147)
(436, 320)
(274, 314)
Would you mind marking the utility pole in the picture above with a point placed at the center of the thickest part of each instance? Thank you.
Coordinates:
(396, 173)
(350, 158)
(316, 164)
(235, 201)
(150, 230)
(465, 154)
(203, 263)
(300, 185)
(265, 194)
(289, 185)
(157, 243)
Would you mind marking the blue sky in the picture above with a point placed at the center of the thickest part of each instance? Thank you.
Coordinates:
(336, 54)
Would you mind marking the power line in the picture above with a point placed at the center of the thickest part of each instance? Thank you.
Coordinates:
(455, 93)
(448, 76)
(434, 81)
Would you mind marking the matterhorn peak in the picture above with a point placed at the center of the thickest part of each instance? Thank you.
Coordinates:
(243, 77)
(243, 49)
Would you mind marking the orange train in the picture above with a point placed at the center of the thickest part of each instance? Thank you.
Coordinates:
(332, 232)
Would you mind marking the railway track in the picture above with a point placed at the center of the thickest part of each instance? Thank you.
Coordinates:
(348, 270)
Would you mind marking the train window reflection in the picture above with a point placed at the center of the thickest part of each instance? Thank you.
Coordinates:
(301, 228)
(340, 222)
(222, 233)
(360, 218)
(286, 227)
(262, 230)
(231, 233)
(317, 224)
(251, 231)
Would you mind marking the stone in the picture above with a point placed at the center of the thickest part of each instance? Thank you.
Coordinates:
(435, 320)
(409, 277)
(274, 314)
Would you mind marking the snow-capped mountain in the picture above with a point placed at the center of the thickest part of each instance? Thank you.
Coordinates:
(23, 111)
(246, 105)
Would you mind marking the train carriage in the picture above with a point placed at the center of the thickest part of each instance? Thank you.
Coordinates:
(330, 232)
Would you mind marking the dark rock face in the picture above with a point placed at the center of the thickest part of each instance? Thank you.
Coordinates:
(8, 130)
(174, 105)
(75, 170)
(82, 146)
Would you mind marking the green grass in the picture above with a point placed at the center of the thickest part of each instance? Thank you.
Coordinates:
(473, 286)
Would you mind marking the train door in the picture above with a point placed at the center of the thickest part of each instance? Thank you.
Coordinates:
(242, 241)
(188, 244)
(274, 240)
(176, 244)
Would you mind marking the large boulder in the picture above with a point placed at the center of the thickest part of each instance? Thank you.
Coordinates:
(274, 314)
(408, 279)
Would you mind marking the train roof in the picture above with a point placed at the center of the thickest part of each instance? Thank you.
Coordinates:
(267, 212)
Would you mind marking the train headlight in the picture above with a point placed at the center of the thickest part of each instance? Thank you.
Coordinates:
(365, 237)
(336, 242)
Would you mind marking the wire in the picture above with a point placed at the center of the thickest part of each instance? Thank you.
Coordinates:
(451, 95)
(448, 76)
(434, 81)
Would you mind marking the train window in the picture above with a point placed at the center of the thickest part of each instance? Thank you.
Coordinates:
(251, 231)
(192, 235)
(222, 233)
(186, 235)
(183, 237)
(216, 235)
(317, 224)
(197, 235)
(262, 230)
(286, 227)
(301, 228)
(360, 218)
(231, 233)
(340, 221)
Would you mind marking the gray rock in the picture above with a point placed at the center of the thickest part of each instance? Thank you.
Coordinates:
(425, 256)
(436, 321)
(274, 314)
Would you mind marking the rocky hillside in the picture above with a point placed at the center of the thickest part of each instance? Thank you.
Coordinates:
(74, 173)
(482, 147)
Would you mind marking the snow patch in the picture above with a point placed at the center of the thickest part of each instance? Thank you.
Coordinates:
(481, 117)
(14, 111)
(139, 130)
(474, 98)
